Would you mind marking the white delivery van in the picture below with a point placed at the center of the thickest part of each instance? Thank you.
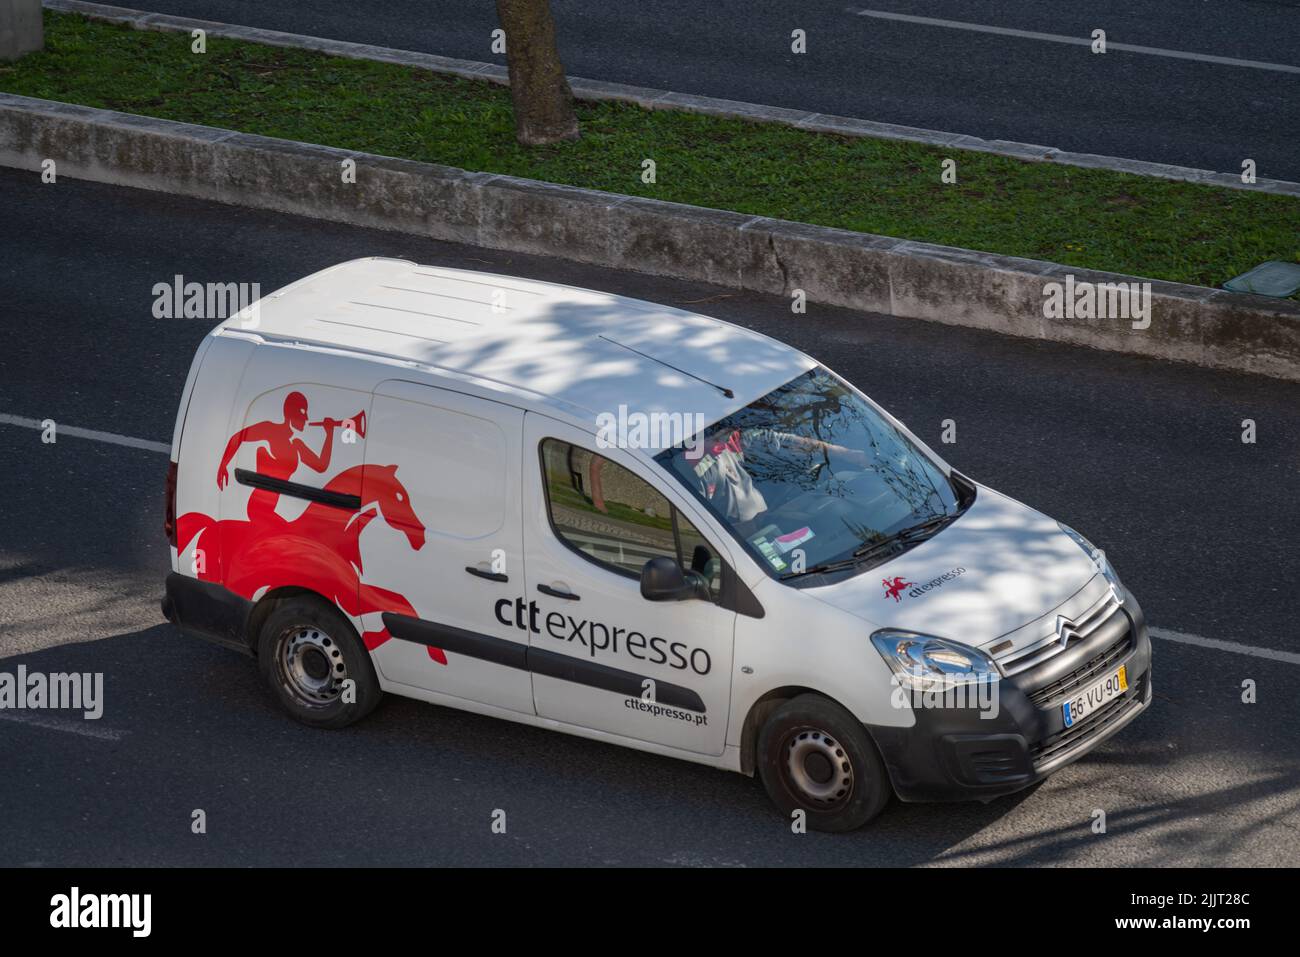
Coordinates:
(631, 523)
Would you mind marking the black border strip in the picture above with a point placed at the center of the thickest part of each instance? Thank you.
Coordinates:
(499, 651)
(552, 664)
(335, 499)
(549, 664)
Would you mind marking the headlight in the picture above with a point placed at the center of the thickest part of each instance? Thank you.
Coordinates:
(924, 661)
(1098, 558)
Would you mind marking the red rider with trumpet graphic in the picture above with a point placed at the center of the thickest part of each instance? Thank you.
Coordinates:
(283, 451)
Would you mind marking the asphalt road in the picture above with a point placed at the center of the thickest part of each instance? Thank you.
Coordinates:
(1146, 106)
(1142, 456)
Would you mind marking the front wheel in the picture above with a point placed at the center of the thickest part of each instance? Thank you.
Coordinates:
(315, 664)
(816, 756)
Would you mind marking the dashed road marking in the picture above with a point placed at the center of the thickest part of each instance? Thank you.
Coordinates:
(1077, 41)
(1273, 654)
(86, 730)
(92, 434)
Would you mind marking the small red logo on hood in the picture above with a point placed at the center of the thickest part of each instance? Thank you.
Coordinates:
(895, 588)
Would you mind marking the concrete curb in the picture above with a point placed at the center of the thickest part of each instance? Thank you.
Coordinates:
(653, 99)
(1194, 324)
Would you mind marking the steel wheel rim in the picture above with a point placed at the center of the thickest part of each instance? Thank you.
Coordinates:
(311, 665)
(817, 768)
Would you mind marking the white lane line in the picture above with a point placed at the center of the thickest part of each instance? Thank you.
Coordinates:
(1290, 657)
(85, 729)
(1077, 41)
(93, 434)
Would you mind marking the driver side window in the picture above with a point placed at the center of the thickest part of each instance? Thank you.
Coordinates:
(616, 519)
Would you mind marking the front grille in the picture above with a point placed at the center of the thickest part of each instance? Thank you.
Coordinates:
(1080, 735)
(1091, 670)
(1054, 643)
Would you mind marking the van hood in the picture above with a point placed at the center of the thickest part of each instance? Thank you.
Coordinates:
(996, 568)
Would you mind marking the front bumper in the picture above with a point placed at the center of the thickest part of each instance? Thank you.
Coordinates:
(962, 753)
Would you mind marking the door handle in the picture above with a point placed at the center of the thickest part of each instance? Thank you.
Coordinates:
(556, 593)
(490, 576)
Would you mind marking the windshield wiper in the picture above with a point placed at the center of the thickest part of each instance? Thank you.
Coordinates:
(908, 536)
(916, 533)
(835, 566)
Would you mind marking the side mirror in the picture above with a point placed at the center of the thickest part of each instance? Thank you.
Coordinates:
(662, 579)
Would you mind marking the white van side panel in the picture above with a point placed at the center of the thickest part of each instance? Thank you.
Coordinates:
(201, 424)
(457, 458)
(802, 642)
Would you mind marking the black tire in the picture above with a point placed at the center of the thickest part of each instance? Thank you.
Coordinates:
(840, 783)
(306, 642)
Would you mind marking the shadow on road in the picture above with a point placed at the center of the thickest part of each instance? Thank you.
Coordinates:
(417, 785)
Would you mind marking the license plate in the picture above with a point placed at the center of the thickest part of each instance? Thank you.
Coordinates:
(1094, 697)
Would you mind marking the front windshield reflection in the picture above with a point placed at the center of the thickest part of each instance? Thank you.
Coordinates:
(810, 474)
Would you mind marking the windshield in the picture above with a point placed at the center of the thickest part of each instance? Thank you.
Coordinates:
(811, 476)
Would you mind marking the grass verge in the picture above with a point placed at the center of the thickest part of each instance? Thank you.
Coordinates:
(1093, 219)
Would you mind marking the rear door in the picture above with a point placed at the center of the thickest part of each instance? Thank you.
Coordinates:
(443, 552)
(603, 657)
(273, 469)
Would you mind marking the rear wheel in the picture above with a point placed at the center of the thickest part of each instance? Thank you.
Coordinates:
(816, 756)
(315, 664)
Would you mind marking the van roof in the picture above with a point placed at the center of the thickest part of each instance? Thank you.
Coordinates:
(578, 351)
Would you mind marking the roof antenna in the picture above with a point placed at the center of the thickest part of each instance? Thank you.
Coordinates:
(725, 391)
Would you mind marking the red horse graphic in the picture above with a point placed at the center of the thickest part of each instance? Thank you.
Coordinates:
(895, 588)
(321, 548)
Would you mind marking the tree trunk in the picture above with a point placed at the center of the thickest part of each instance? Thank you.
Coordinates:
(21, 30)
(542, 99)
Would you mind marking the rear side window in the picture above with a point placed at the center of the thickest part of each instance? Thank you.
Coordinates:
(616, 519)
